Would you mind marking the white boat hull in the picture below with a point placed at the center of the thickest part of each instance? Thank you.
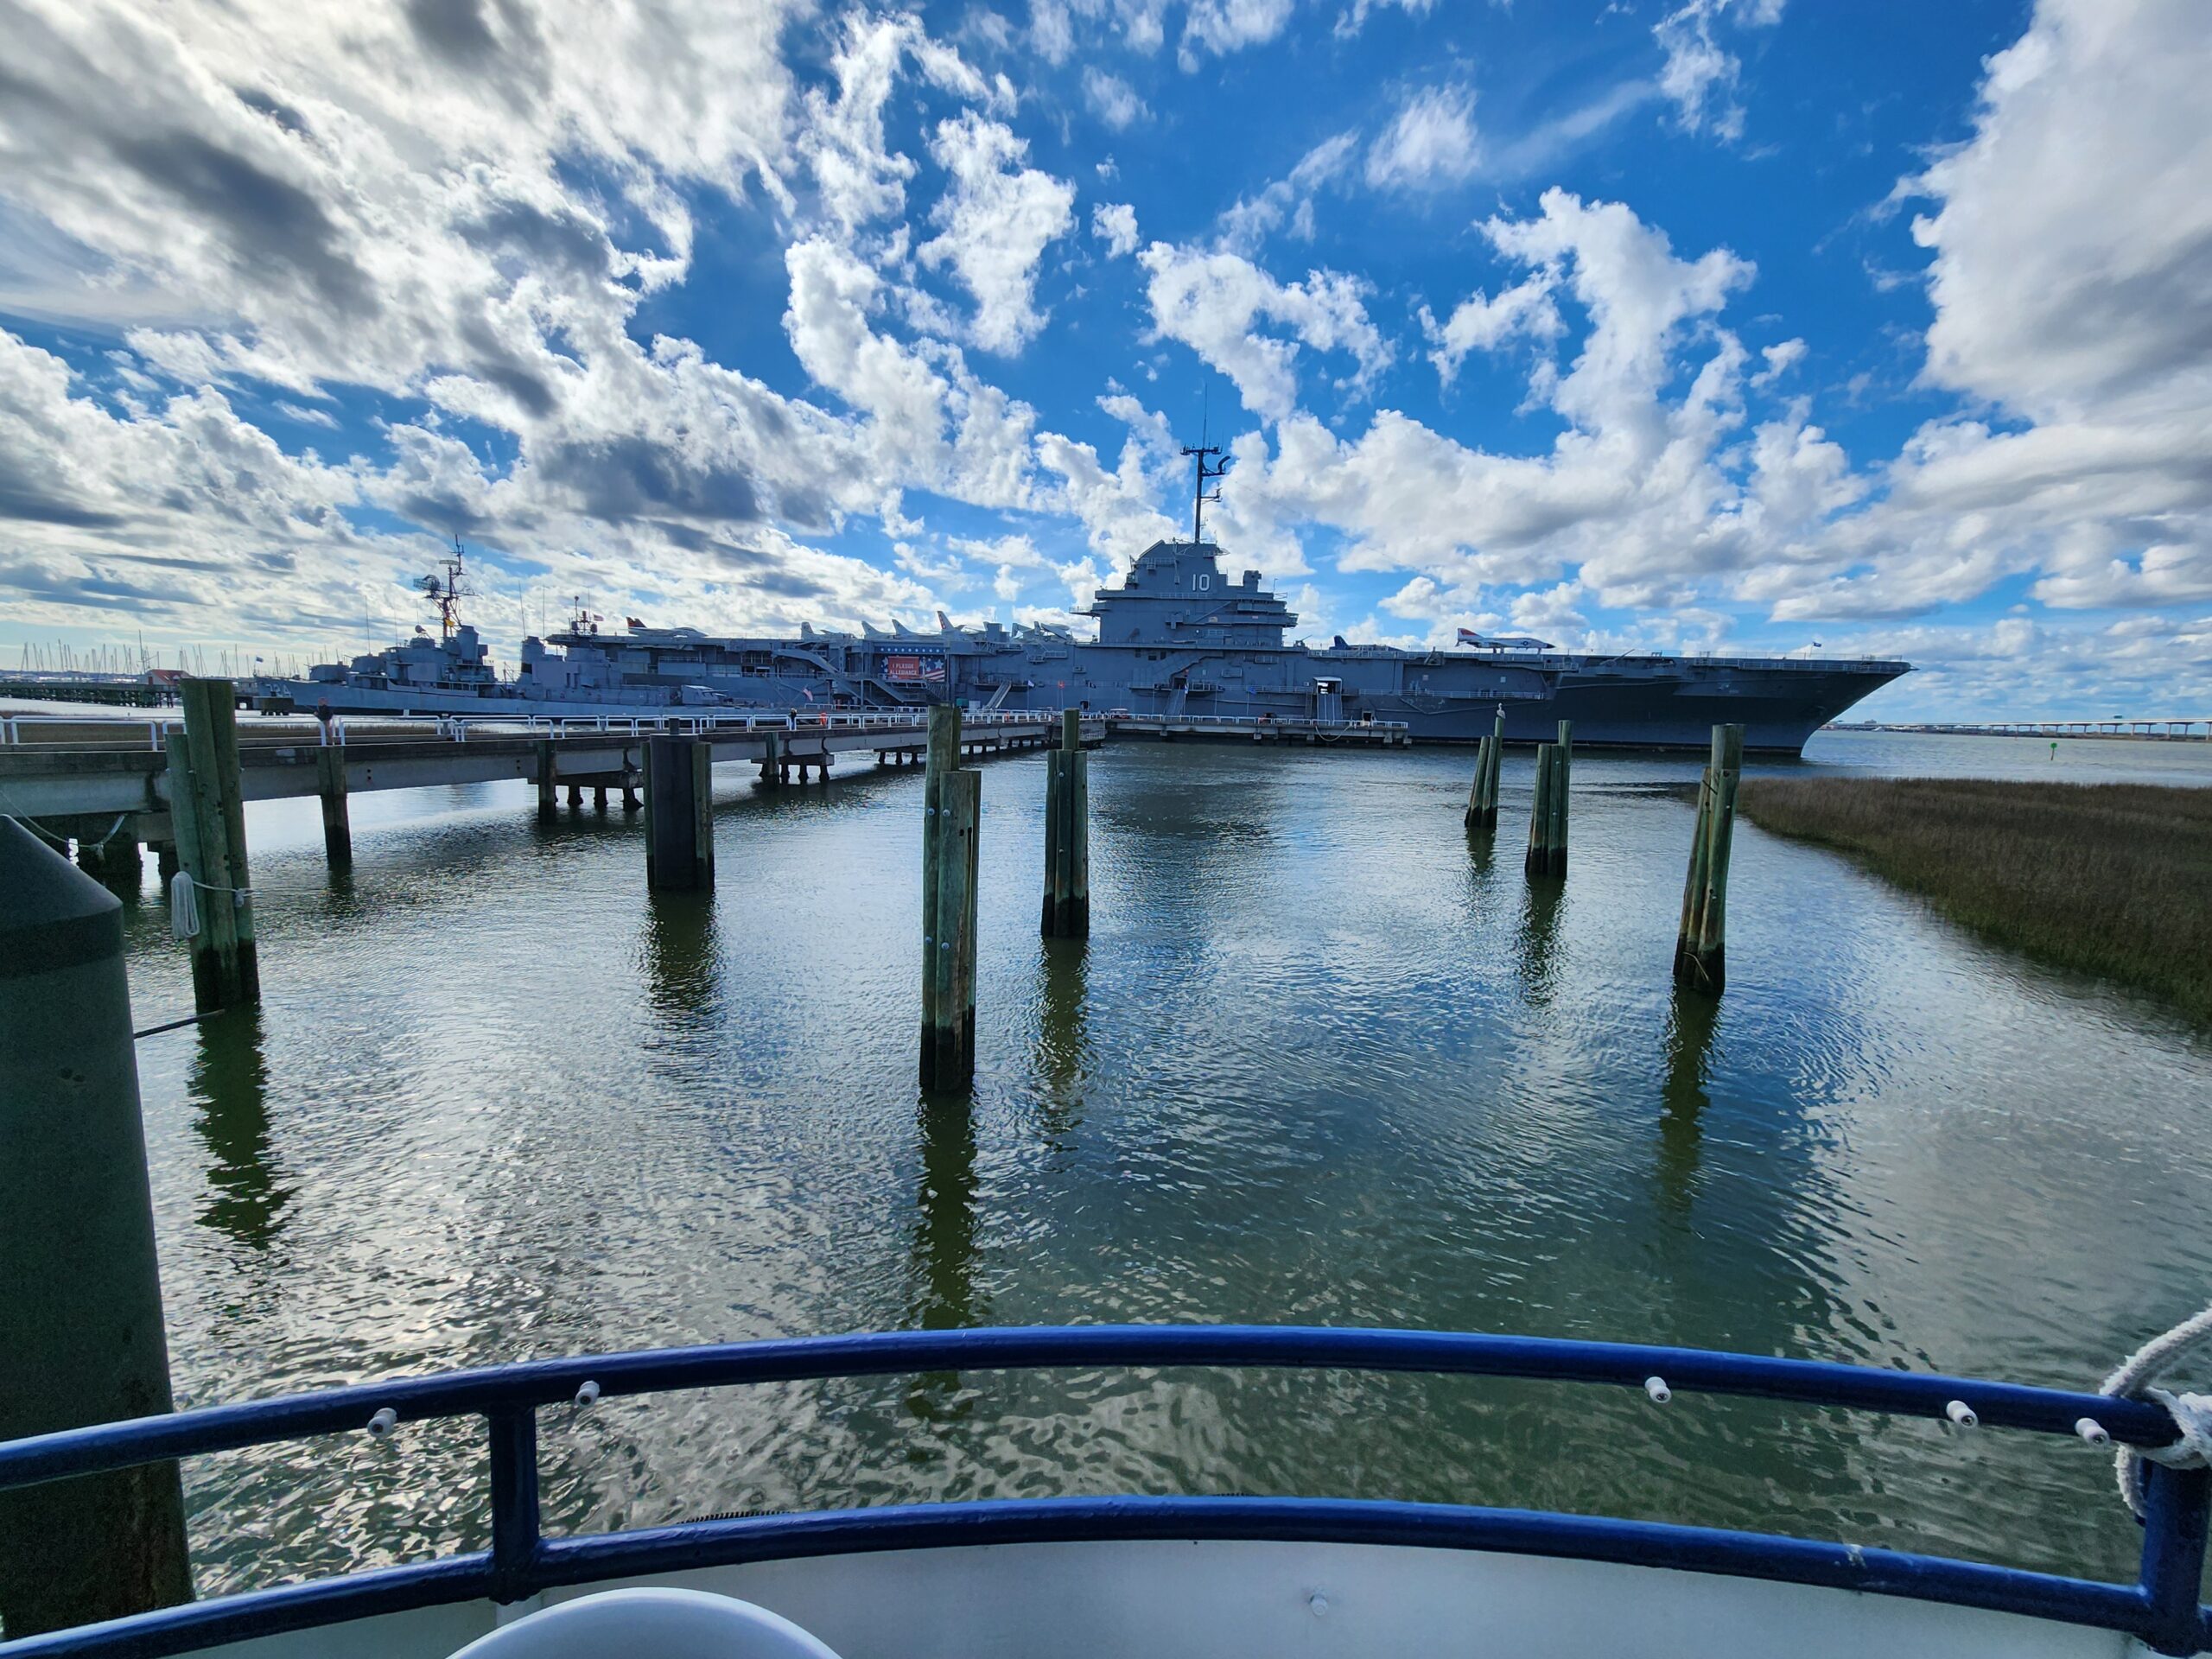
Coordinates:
(1252, 1601)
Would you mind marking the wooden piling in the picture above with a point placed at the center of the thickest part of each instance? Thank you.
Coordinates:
(330, 785)
(1538, 861)
(951, 817)
(679, 813)
(1489, 766)
(1701, 944)
(1473, 816)
(548, 791)
(1067, 834)
(1562, 772)
(208, 812)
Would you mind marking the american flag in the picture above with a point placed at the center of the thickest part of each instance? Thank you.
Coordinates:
(933, 670)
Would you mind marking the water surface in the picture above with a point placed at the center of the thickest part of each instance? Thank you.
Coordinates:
(1323, 1059)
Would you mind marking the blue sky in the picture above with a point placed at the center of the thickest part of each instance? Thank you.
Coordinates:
(1724, 325)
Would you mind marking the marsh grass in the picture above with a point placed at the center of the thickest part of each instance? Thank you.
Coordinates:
(2114, 879)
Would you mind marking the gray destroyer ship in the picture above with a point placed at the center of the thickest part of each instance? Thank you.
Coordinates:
(1179, 637)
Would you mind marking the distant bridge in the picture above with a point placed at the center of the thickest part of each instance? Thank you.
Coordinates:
(2176, 728)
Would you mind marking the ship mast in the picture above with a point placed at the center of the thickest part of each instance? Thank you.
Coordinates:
(448, 596)
(1207, 475)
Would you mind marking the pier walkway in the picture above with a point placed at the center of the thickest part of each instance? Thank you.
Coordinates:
(60, 771)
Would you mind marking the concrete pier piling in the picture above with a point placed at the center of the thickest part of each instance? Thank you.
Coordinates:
(330, 785)
(1067, 834)
(80, 1297)
(208, 810)
(1700, 943)
(549, 805)
(952, 801)
(679, 813)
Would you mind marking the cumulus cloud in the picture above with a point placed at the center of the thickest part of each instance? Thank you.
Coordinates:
(1430, 143)
(472, 220)
(1701, 75)
(996, 222)
(1215, 302)
(1220, 27)
(1115, 223)
(1113, 101)
(1480, 322)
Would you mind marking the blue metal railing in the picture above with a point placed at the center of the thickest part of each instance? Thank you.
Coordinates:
(2161, 1607)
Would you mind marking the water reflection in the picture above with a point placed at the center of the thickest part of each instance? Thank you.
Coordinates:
(1063, 1048)
(945, 1294)
(1535, 941)
(230, 1081)
(682, 963)
(1683, 1098)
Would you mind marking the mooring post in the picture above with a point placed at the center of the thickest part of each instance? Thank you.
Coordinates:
(1700, 950)
(1562, 773)
(952, 799)
(1076, 924)
(1056, 826)
(1497, 769)
(208, 812)
(80, 1294)
(1473, 816)
(1067, 833)
(679, 813)
(548, 791)
(330, 785)
(1539, 859)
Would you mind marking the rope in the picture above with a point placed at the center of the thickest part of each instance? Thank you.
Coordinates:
(184, 907)
(2192, 1413)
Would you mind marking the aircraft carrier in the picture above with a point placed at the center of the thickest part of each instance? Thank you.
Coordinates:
(1179, 637)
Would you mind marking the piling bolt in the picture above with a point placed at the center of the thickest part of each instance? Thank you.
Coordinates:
(383, 1423)
(1657, 1389)
(1961, 1413)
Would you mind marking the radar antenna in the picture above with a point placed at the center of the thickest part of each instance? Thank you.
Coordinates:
(1206, 475)
(448, 595)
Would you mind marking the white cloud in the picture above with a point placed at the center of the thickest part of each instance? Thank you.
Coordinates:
(1431, 144)
(1482, 323)
(1700, 76)
(1780, 359)
(1245, 225)
(996, 222)
(1052, 30)
(1113, 101)
(1115, 223)
(1221, 26)
(1214, 302)
(1355, 15)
